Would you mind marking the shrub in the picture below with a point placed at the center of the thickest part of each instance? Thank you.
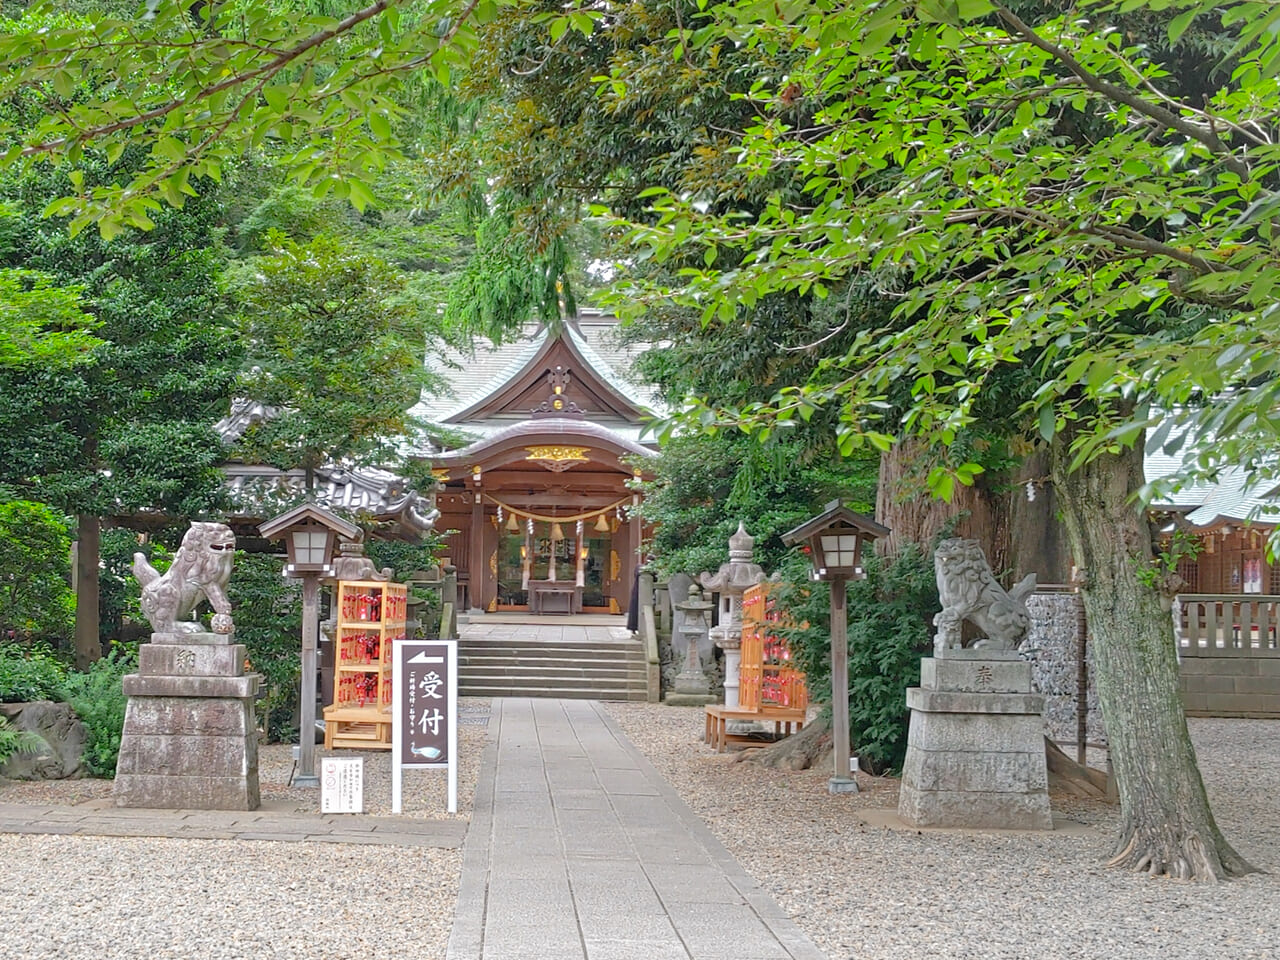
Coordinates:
(889, 631)
(13, 741)
(98, 699)
(29, 673)
(35, 570)
(268, 615)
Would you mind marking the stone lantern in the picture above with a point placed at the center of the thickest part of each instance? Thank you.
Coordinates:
(731, 581)
(692, 627)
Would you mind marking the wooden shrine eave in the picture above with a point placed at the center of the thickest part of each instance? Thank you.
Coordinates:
(588, 443)
(519, 393)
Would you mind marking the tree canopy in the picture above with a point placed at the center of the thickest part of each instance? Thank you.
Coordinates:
(334, 347)
(1081, 193)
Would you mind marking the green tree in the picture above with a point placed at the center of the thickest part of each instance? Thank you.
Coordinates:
(334, 347)
(1035, 192)
(704, 486)
(1044, 198)
(268, 614)
(43, 324)
(126, 426)
(35, 570)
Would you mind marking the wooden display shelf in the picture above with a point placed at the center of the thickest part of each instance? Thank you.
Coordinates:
(768, 681)
(360, 714)
(372, 618)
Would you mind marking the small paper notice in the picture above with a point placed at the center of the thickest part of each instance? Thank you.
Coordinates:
(342, 785)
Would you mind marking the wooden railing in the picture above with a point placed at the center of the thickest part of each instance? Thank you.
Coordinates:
(1225, 625)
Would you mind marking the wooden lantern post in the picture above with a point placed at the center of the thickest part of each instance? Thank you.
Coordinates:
(834, 541)
(310, 534)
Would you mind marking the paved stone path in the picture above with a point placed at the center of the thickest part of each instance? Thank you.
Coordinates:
(579, 850)
(271, 821)
(584, 629)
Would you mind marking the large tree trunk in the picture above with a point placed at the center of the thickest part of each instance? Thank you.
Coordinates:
(88, 643)
(1166, 824)
(1019, 535)
(913, 515)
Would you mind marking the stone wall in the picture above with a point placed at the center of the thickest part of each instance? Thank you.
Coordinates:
(1237, 686)
(1052, 647)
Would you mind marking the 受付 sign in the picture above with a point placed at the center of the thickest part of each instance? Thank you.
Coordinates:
(424, 710)
(342, 785)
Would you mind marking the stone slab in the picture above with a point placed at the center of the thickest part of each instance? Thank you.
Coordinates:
(174, 755)
(975, 676)
(975, 809)
(194, 792)
(139, 686)
(980, 772)
(203, 638)
(974, 731)
(191, 716)
(946, 701)
(889, 820)
(689, 699)
(190, 659)
(979, 653)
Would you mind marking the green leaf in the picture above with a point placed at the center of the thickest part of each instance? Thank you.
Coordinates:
(360, 196)
(1047, 422)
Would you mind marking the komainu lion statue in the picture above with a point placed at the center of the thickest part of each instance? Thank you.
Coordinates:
(969, 591)
(200, 571)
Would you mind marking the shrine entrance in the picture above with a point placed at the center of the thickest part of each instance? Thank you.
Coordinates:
(539, 562)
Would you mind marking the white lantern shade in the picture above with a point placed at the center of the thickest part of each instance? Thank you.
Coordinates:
(311, 547)
(840, 550)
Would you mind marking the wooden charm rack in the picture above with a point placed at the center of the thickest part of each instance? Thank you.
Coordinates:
(371, 617)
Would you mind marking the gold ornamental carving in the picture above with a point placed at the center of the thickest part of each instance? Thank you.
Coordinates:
(615, 565)
(493, 563)
(557, 458)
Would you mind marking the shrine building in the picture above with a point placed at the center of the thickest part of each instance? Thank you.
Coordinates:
(539, 494)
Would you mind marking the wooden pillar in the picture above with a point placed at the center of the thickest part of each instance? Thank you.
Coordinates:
(306, 774)
(478, 560)
(88, 643)
(841, 781)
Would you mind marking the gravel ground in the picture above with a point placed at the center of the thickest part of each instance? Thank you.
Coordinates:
(866, 892)
(424, 790)
(122, 898)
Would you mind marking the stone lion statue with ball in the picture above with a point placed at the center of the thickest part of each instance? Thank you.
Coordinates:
(969, 591)
(200, 571)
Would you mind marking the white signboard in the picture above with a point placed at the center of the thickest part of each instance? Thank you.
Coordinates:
(342, 785)
(424, 712)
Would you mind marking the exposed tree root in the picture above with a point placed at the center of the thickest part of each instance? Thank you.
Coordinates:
(1070, 777)
(798, 752)
(1187, 858)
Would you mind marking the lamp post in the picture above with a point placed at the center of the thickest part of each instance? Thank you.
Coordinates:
(834, 540)
(310, 534)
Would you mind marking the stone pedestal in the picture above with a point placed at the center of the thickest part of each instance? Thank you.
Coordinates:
(190, 731)
(975, 750)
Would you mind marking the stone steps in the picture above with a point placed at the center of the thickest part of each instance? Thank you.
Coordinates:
(591, 670)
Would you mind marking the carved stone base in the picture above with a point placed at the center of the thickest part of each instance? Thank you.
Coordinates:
(975, 748)
(190, 729)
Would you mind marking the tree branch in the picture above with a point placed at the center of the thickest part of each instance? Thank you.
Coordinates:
(1119, 94)
(266, 70)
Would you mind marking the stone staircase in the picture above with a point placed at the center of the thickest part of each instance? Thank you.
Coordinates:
(578, 670)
